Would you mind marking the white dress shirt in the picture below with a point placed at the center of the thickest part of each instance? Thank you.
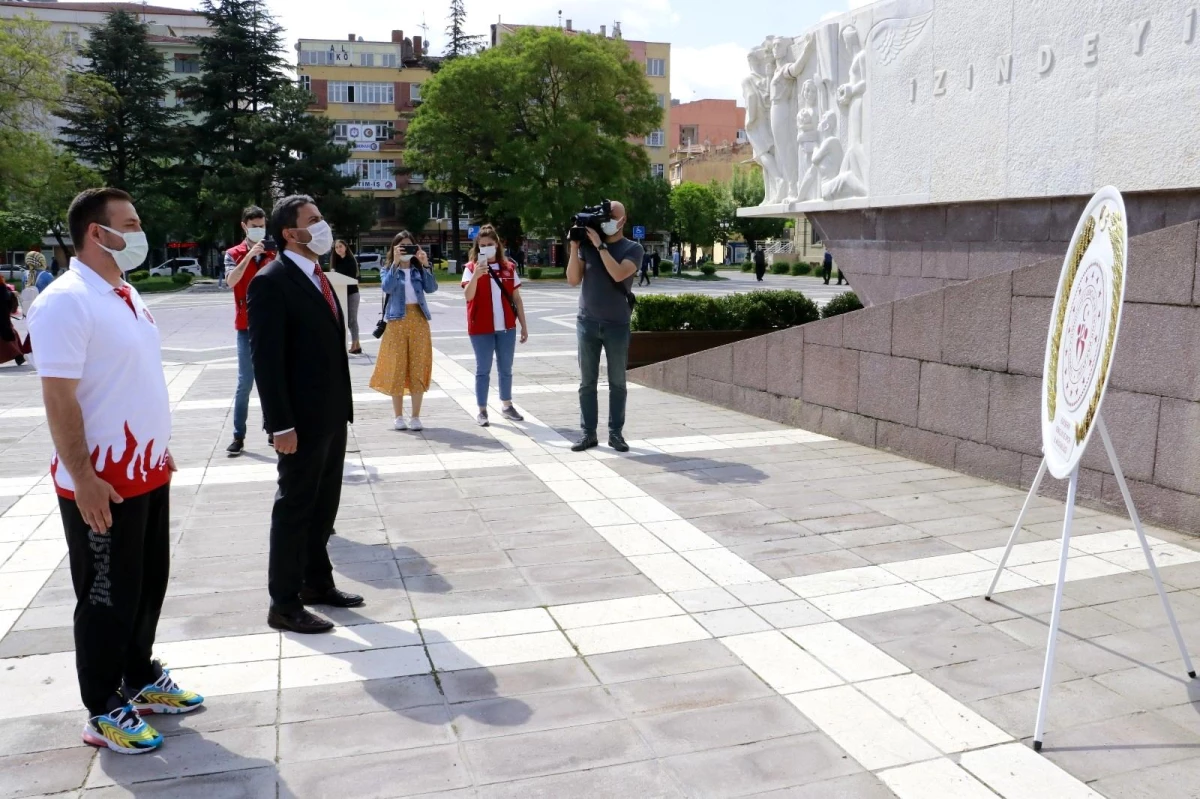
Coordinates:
(309, 268)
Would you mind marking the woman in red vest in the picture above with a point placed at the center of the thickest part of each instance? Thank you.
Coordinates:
(493, 292)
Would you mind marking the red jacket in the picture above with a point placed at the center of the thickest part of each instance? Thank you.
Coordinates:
(240, 321)
(480, 309)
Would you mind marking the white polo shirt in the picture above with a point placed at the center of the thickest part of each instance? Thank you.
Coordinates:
(82, 329)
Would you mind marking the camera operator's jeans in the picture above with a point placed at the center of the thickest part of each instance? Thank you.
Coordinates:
(502, 345)
(241, 399)
(613, 338)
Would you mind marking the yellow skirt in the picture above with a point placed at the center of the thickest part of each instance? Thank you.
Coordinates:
(405, 362)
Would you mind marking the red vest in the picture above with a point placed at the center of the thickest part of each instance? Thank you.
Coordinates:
(480, 316)
(237, 253)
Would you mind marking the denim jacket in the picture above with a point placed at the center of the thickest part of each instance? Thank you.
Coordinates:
(423, 282)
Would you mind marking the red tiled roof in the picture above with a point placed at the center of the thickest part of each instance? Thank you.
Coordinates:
(133, 8)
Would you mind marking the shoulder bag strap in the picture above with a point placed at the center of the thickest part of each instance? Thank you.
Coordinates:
(500, 283)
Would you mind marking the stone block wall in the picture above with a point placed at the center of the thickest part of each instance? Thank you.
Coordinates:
(890, 253)
(952, 377)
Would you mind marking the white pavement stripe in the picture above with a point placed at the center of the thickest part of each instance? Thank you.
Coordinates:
(848, 655)
(934, 778)
(1017, 772)
(935, 715)
(780, 663)
(862, 728)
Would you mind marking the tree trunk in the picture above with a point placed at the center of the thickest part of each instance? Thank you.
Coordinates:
(454, 229)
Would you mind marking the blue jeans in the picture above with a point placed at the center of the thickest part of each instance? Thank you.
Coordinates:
(613, 338)
(241, 400)
(502, 346)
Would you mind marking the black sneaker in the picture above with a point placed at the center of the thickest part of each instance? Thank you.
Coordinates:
(588, 441)
(270, 439)
(512, 414)
(236, 447)
(617, 442)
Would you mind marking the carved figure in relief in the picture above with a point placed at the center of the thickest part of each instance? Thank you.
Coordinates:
(826, 159)
(756, 91)
(851, 180)
(788, 68)
(806, 124)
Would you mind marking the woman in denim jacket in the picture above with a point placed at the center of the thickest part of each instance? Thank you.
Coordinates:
(405, 362)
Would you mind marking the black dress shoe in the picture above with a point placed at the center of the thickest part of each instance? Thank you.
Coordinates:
(298, 621)
(332, 597)
(236, 447)
(587, 442)
(617, 442)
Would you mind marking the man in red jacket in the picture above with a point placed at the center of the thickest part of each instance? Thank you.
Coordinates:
(241, 265)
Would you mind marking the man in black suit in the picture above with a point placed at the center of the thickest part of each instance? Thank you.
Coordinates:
(297, 332)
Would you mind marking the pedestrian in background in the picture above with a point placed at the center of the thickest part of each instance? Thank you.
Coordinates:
(644, 272)
(827, 267)
(344, 263)
(494, 308)
(405, 361)
(760, 264)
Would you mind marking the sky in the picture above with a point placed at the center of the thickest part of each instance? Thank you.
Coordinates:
(709, 38)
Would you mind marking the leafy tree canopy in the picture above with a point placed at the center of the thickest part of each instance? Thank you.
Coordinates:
(746, 189)
(697, 211)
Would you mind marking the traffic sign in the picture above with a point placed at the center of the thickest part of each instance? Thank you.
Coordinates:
(639, 232)
(472, 232)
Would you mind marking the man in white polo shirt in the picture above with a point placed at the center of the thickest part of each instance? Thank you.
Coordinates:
(106, 402)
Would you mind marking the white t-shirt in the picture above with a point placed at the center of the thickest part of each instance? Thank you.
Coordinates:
(497, 295)
(82, 329)
(410, 296)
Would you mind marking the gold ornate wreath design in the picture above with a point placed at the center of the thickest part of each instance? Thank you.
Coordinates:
(1110, 222)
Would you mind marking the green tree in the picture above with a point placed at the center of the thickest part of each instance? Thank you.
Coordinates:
(726, 210)
(458, 41)
(648, 202)
(747, 191)
(241, 71)
(696, 211)
(536, 127)
(52, 191)
(116, 120)
(412, 210)
(349, 216)
(33, 64)
(20, 230)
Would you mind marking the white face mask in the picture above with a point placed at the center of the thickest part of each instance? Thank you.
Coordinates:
(611, 227)
(487, 253)
(322, 238)
(256, 234)
(136, 248)
(406, 259)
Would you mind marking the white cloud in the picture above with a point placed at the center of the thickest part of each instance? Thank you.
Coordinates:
(702, 73)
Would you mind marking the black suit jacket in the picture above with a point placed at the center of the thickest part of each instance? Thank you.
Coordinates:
(299, 351)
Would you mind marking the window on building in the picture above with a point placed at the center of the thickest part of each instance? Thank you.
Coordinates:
(656, 139)
(306, 83)
(71, 39)
(414, 92)
(741, 136)
(388, 60)
(662, 101)
(416, 177)
(384, 130)
(371, 174)
(375, 93)
(318, 58)
(366, 59)
(816, 237)
(657, 170)
(656, 67)
(186, 64)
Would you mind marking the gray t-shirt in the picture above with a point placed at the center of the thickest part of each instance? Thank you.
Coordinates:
(600, 300)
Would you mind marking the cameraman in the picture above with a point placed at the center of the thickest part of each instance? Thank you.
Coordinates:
(605, 267)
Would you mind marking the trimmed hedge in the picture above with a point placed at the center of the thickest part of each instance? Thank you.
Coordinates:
(708, 269)
(747, 266)
(756, 310)
(801, 268)
(845, 302)
(781, 268)
(138, 277)
(535, 273)
(182, 278)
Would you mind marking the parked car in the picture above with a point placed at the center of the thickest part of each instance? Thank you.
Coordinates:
(176, 265)
(13, 273)
(369, 260)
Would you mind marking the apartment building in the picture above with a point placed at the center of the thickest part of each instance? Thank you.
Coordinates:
(369, 91)
(655, 58)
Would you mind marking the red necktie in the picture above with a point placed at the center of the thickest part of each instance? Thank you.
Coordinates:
(124, 293)
(325, 289)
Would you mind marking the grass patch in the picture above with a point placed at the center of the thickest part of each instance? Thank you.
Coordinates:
(154, 285)
(687, 276)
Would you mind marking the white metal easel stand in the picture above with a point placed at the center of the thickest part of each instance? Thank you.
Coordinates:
(1048, 669)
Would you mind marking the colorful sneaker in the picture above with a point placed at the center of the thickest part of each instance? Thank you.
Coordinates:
(164, 696)
(122, 730)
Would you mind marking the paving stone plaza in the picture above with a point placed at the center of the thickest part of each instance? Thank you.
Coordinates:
(734, 608)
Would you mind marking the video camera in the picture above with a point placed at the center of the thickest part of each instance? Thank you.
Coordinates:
(591, 217)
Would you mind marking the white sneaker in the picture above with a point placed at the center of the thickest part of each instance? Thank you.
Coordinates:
(400, 423)
(415, 424)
